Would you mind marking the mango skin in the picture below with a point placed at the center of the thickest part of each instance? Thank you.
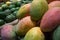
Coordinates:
(50, 19)
(24, 25)
(54, 4)
(56, 33)
(7, 32)
(37, 9)
(34, 34)
(23, 11)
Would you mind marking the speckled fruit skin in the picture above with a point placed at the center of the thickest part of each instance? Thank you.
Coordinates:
(49, 1)
(56, 33)
(34, 34)
(37, 9)
(23, 11)
(54, 4)
(7, 32)
(50, 19)
(24, 25)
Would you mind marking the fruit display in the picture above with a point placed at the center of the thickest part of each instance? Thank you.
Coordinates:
(30, 20)
(9, 10)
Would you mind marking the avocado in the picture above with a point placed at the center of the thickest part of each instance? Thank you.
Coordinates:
(4, 7)
(12, 6)
(14, 13)
(1, 22)
(7, 11)
(1, 9)
(10, 18)
(17, 8)
(13, 9)
(18, 4)
(2, 15)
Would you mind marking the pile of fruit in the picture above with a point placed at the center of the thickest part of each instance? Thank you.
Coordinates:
(37, 20)
(8, 11)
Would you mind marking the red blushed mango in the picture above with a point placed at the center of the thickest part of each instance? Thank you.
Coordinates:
(50, 19)
(54, 4)
(7, 32)
(24, 25)
(51, 0)
(23, 11)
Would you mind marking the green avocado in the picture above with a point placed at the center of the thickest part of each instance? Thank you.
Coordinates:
(12, 6)
(26, 2)
(10, 18)
(1, 22)
(14, 13)
(18, 4)
(17, 8)
(13, 9)
(7, 11)
(13, 3)
(2, 15)
(4, 7)
(1, 9)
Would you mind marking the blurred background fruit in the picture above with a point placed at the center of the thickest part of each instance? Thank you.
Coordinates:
(7, 32)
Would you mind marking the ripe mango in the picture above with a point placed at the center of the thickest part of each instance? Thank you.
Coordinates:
(34, 34)
(54, 4)
(24, 25)
(50, 19)
(37, 9)
(23, 11)
(7, 32)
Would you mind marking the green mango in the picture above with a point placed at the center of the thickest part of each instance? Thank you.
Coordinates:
(37, 9)
(8, 33)
(56, 33)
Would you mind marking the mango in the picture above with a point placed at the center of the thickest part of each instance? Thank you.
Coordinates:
(7, 32)
(34, 33)
(24, 25)
(49, 1)
(37, 9)
(56, 33)
(50, 19)
(23, 11)
(54, 4)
